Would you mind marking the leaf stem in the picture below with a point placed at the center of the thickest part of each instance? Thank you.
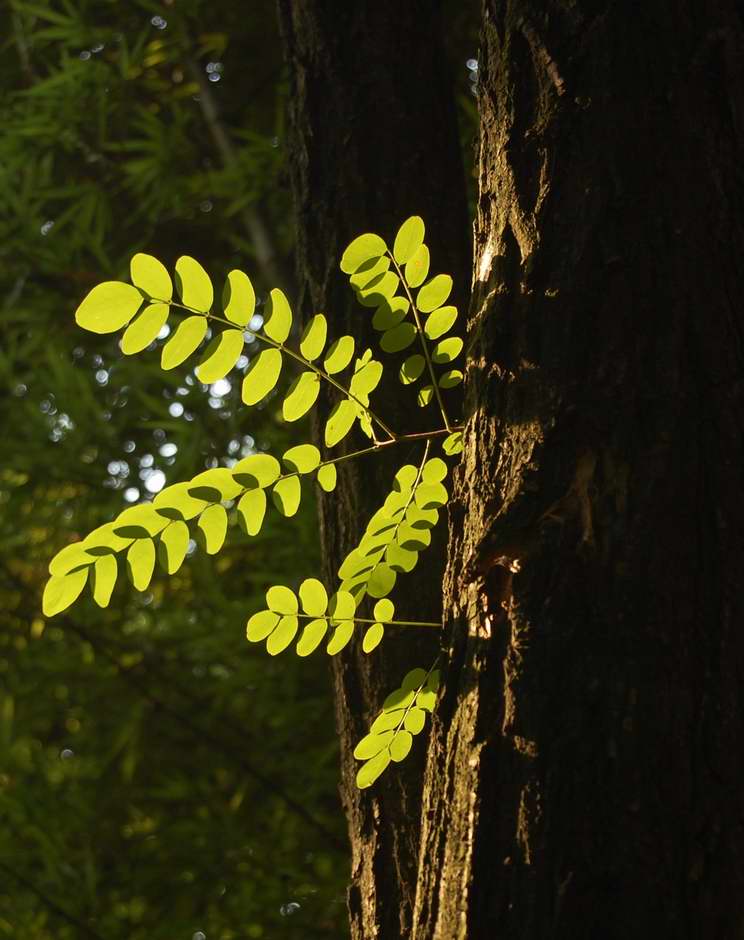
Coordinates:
(386, 623)
(422, 337)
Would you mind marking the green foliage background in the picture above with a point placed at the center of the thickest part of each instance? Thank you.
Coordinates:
(158, 776)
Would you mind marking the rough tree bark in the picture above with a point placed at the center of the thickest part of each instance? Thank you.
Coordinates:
(585, 775)
(373, 139)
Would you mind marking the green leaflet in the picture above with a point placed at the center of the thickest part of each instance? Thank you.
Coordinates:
(384, 610)
(446, 350)
(214, 485)
(260, 625)
(183, 343)
(425, 395)
(451, 378)
(381, 581)
(439, 322)
(362, 249)
(175, 502)
(108, 307)
(141, 562)
(412, 368)
(282, 600)
(327, 477)
(340, 637)
(434, 470)
(452, 444)
(371, 770)
(400, 337)
(251, 511)
(104, 573)
(220, 356)
(139, 521)
(258, 470)
(314, 338)
(373, 637)
(286, 495)
(212, 525)
(68, 558)
(339, 355)
(434, 293)
(302, 395)
(415, 720)
(277, 316)
(238, 298)
(369, 271)
(366, 378)
(304, 458)
(417, 268)
(144, 329)
(312, 636)
(379, 289)
(340, 422)
(193, 284)
(261, 376)
(390, 313)
(174, 543)
(151, 276)
(61, 591)
(313, 597)
(409, 239)
(282, 635)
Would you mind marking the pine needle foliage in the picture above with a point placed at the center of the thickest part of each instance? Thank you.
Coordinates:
(414, 321)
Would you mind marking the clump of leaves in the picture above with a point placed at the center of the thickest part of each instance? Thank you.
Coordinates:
(409, 310)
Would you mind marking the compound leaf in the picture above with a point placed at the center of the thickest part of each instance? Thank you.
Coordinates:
(390, 313)
(373, 637)
(304, 458)
(260, 625)
(371, 770)
(400, 337)
(373, 743)
(340, 637)
(282, 600)
(327, 477)
(412, 368)
(446, 350)
(401, 745)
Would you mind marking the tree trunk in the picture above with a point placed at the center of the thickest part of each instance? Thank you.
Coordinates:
(373, 139)
(585, 775)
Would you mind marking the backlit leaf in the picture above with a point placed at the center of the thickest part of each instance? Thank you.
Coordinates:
(366, 378)
(409, 239)
(108, 307)
(400, 337)
(286, 495)
(282, 636)
(341, 606)
(103, 540)
(175, 502)
(282, 600)
(397, 700)
(144, 329)
(373, 637)
(417, 268)
(141, 562)
(372, 744)
(340, 637)
(360, 250)
(261, 376)
(413, 679)
(212, 524)
(260, 625)
(220, 356)
(390, 313)
(238, 298)
(381, 581)
(277, 316)
(61, 591)
(174, 543)
(430, 496)
(435, 470)
(379, 289)
(446, 350)
(367, 272)
(340, 422)
(312, 637)
(438, 322)
(385, 721)
(251, 511)
(412, 368)
(400, 559)
(370, 771)
(384, 610)
(70, 557)
(193, 284)
(425, 395)
(327, 477)
(434, 293)
(314, 598)
(301, 397)
(143, 517)
(451, 378)
(151, 276)
(219, 480)
(453, 444)
(401, 745)
(339, 355)
(183, 342)
(303, 458)
(103, 575)
(415, 720)
(257, 470)
(314, 337)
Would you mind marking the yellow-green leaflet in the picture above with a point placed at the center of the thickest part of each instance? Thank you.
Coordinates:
(220, 356)
(440, 321)
(327, 477)
(304, 458)
(62, 590)
(400, 337)
(373, 637)
(104, 574)
(212, 524)
(144, 329)
(340, 422)
(258, 470)
(434, 293)
(141, 562)
(174, 543)
(417, 268)
(286, 495)
(193, 284)
(412, 368)
(302, 395)
(151, 276)
(251, 510)
(339, 355)
(446, 350)
(312, 636)
(184, 341)
(262, 376)
(108, 307)
(360, 250)
(313, 597)
(409, 239)
(238, 298)
(370, 771)
(314, 337)
(278, 316)
(283, 634)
